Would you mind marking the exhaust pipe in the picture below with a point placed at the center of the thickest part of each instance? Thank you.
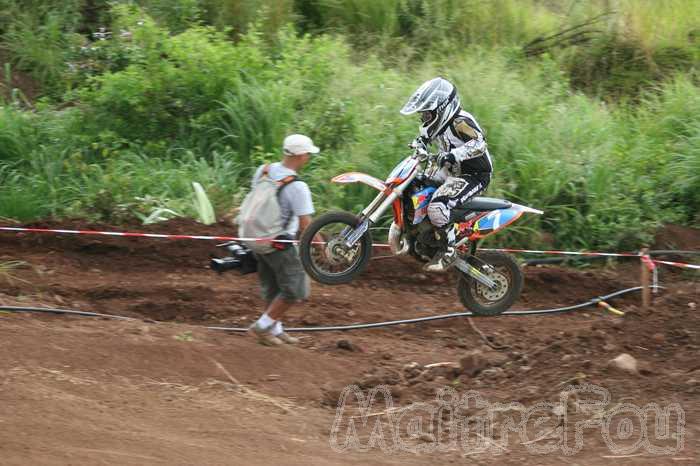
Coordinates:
(397, 244)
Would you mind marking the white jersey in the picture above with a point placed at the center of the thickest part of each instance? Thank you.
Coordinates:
(459, 138)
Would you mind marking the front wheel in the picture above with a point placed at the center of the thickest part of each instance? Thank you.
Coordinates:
(327, 259)
(484, 301)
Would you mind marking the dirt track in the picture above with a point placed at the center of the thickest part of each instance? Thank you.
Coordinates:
(88, 391)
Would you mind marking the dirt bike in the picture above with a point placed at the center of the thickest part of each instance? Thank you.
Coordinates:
(489, 282)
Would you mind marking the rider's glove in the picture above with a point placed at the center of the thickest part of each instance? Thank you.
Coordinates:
(417, 143)
(446, 157)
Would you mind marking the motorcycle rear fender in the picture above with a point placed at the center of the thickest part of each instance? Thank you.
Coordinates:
(357, 177)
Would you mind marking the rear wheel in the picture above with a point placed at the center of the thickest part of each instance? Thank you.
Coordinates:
(484, 301)
(332, 262)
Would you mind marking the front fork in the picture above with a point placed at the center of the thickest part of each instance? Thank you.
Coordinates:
(369, 216)
(475, 273)
(353, 235)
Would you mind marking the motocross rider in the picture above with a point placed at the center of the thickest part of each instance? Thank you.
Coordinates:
(464, 160)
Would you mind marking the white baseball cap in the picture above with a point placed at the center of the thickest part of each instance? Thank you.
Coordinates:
(296, 144)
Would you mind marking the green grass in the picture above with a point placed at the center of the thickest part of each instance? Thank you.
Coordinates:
(165, 110)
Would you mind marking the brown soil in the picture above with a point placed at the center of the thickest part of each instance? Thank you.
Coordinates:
(93, 391)
(27, 85)
(678, 237)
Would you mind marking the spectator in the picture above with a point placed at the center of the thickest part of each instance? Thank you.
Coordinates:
(282, 276)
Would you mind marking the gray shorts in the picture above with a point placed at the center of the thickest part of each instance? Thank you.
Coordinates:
(281, 274)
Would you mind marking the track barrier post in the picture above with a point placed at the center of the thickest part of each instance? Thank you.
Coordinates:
(644, 277)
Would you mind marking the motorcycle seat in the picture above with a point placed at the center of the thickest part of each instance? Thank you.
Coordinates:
(485, 203)
(479, 204)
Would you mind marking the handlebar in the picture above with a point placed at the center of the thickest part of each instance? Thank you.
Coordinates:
(424, 155)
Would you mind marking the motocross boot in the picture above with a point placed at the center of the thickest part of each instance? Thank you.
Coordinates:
(445, 258)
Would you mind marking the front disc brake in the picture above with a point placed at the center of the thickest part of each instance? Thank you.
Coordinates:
(493, 295)
(338, 254)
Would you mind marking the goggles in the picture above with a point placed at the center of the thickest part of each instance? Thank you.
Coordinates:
(427, 116)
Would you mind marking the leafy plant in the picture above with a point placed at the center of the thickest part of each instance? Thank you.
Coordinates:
(205, 211)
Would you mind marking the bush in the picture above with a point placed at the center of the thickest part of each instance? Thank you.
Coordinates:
(153, 111)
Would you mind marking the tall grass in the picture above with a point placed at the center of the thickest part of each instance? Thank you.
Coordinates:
(198, 107)
(673, 23)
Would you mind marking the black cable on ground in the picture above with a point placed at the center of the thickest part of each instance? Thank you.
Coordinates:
(529, 312)
(48, 310)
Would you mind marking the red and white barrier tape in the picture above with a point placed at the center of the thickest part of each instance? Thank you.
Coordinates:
(129, 234)
(678, 264)
(645, 258)
(568, 253)
(126, 234)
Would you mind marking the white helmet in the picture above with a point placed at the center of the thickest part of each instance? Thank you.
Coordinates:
(437, 102)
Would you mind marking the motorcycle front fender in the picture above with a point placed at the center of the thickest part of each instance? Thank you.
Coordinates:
(357, 177)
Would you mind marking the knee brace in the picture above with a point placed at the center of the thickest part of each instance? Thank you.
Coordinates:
(439, 214)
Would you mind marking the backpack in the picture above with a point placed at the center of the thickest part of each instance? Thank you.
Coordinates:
(261, 215)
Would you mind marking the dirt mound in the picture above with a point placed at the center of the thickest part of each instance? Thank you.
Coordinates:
(678, 237)
(96, 380)
(127, 254)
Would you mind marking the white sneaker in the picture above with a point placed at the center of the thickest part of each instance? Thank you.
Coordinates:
(442, 262)
(287, 338)
(264, 336)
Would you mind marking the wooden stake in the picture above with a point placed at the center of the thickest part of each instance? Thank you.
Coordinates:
(645, 278)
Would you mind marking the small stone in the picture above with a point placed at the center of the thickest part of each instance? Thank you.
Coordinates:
(525, 368)
(609, 347)
(644, 368)
(476, 360)
(617, 323)
(658, 338)
(447, 370)
(330, 394)
(567, 357)
(309, 320)
(412, 370)
(625, 363)
(347, 346)
(492, 372)
(494, 358)
(472, 363)
(692, 305)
